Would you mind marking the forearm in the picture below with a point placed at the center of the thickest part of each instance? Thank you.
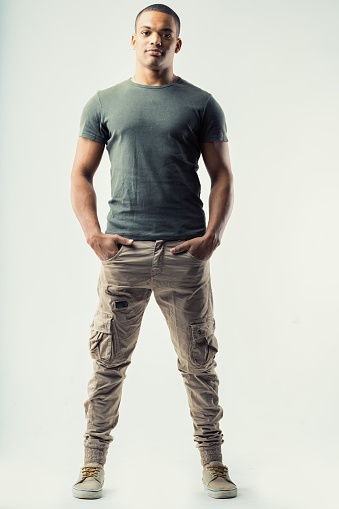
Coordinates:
(84, 204)
(220, 207)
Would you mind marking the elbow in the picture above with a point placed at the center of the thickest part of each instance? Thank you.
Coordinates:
(223, 178)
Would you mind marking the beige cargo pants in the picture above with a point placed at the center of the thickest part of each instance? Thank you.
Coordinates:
(182, 288)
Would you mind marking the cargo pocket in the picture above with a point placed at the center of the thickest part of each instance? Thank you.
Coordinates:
(103, 342)
(203, 344)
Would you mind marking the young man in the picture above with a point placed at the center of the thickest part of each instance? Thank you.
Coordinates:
(155, 125)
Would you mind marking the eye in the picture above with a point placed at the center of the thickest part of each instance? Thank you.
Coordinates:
(145, 32)
(167, 35)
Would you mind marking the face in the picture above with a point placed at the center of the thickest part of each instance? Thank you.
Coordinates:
(155, 40)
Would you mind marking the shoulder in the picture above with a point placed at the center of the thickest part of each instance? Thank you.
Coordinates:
(112, 91)
(199, 92)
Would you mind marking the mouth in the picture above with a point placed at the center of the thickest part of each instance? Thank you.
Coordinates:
(154, 52)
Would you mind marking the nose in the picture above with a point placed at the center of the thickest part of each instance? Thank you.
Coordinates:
(156, 38)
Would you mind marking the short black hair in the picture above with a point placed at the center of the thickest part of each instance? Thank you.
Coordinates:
(160, 8)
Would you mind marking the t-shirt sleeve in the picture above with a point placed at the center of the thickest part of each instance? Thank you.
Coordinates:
(213, 125)
(91, 125)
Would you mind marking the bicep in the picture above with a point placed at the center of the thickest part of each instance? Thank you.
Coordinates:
(87, 158)
(216, 157)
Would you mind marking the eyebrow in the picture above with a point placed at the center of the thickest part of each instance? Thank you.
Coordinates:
(162, 29)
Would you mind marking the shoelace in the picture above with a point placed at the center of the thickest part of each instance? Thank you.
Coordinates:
(90, 471)
(220, 471)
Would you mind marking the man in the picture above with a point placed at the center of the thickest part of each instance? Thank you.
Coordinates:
(155, 125)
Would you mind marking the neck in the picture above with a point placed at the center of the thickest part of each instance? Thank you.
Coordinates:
(154, 78)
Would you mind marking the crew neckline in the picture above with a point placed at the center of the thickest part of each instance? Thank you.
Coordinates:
(153, 86)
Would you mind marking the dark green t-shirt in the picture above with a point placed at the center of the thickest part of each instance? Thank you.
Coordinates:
(152, 136)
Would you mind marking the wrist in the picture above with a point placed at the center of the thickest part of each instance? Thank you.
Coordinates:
(212, 236)
(92, 237)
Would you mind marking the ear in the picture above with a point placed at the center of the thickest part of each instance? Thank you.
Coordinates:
(133, 41)
(178, 46)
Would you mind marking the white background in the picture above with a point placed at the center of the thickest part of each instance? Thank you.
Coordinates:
(273, 67)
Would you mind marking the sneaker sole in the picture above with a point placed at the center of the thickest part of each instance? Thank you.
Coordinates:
(86, 493)
(221, 493)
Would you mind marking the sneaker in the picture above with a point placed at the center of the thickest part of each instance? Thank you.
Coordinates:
(90, 481)
(217, 482)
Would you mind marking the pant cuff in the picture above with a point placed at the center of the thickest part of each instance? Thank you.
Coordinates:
(210, 454)
(95, 455)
